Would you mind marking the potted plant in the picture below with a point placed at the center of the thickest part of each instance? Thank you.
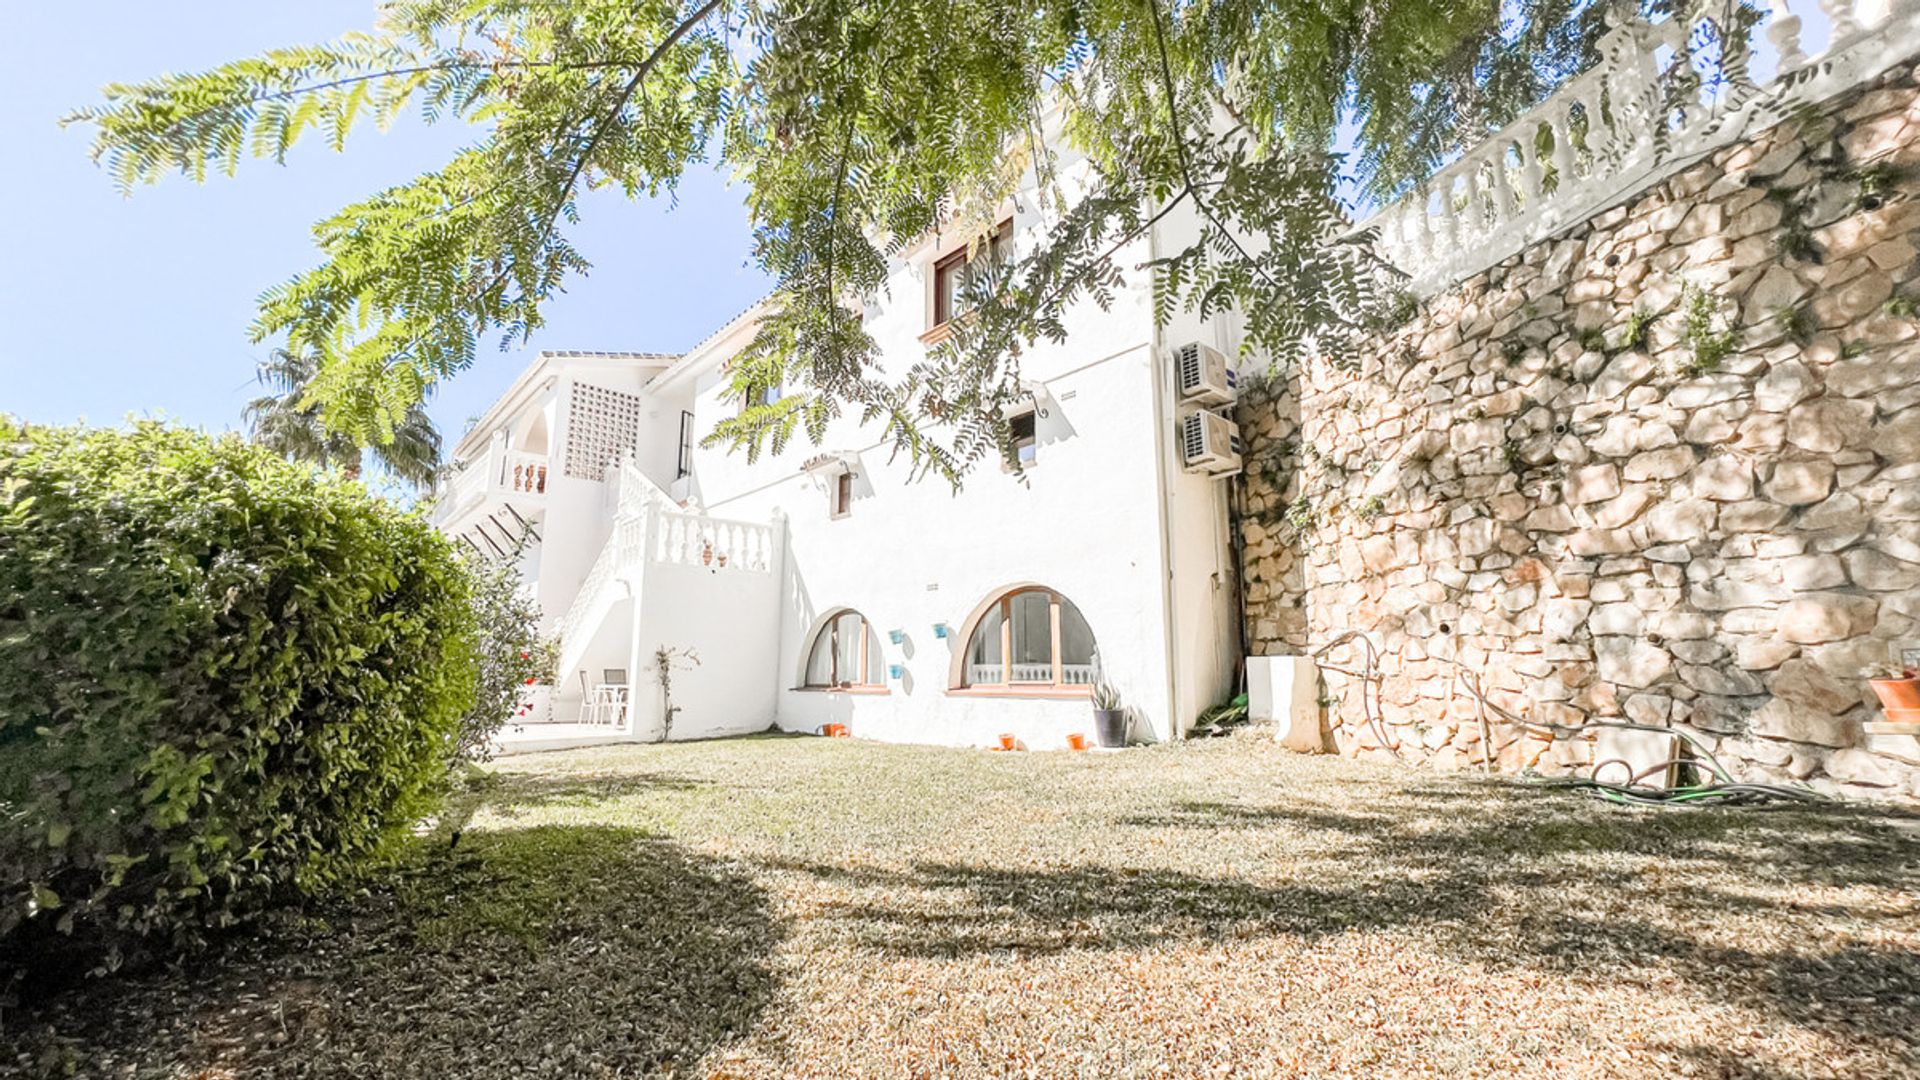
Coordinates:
(1896, 687)
(1109, 716)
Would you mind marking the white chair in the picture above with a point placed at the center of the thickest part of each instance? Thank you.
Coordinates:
(605, 702)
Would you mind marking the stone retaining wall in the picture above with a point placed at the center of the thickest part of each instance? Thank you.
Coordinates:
(1665, 467)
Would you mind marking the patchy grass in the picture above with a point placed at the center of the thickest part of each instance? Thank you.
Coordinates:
(810, 907)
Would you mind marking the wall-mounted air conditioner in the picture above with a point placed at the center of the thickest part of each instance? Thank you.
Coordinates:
(1203, 375)
(1209, 443)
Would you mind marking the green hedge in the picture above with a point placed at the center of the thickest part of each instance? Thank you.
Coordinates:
(223, 678)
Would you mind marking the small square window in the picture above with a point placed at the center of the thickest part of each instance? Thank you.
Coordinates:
(763, 394)
(1022, 432)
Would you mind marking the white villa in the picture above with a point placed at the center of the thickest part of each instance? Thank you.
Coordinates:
(821, 586)
(1538, 483)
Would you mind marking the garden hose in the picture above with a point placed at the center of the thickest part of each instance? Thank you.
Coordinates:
(1714, 785)
(1369, 679)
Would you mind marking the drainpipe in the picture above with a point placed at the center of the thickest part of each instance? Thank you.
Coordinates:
(781, 560)
(1156, 370)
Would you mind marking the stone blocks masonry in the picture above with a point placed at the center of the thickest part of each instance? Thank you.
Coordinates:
(1664, 466)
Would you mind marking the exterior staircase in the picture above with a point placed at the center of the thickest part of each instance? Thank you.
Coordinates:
(650, 531)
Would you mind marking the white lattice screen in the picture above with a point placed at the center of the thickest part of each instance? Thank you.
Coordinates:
(603, 426)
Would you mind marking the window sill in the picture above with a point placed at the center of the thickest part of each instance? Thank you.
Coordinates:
(1036, 690)
(868, 691)
(938, 334)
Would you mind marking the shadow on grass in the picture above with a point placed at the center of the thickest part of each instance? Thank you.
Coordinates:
(518, 792)
(548, 951)
(1520, 878)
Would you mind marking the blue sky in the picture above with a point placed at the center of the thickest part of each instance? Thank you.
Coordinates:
(114, 306)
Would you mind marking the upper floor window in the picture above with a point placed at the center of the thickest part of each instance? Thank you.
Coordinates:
(763, 394)
(842, 494)
(1023, 431)
(845, 654)
(1030, 638)
(684, 465)
(951, 273)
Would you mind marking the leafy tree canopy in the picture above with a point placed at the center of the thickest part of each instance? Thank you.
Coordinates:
(856, 126)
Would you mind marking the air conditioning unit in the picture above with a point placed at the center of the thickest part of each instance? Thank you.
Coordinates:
(1203, 375)
(1210, 443)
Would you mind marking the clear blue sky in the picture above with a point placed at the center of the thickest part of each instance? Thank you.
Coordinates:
(113, 306)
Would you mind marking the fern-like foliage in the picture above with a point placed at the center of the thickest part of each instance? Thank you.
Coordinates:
(856, 128)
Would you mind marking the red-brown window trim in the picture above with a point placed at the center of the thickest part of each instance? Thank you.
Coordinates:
(945, 264)
(842, 504)
(867, 661)
(1007, 687)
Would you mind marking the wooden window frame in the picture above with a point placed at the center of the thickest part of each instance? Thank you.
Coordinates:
(830, 631)
(1006, 687)
(941, 319)
(1032, 417)
(840, 498)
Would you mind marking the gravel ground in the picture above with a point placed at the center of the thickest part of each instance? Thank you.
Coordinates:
(832, 908)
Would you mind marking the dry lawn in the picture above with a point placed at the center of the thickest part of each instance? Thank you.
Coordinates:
(806, 907)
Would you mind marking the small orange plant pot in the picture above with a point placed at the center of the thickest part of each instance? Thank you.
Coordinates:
(1076, 741)
(1008, 742)
(1901, 693)
(835, 731)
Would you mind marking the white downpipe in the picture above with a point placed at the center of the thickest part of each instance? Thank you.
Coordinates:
(1159, 374)
(781, 590)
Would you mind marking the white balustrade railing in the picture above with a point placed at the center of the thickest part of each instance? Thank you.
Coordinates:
(1070, 674)
(713, 543)
(462, 486)
(646, 531)
(600, 577)
(524, 473)
(1663, 95)
(498, 471)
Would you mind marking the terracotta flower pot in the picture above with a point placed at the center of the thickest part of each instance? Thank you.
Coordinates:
(1898, 693)
(1903, 716)
(1008, 742)
(1076, 741)
(835, 731)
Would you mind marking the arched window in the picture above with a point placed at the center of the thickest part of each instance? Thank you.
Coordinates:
(1030, 637)
(845, 653)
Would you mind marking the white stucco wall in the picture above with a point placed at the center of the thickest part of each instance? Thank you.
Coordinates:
(1086, 522)
(1205, 600)
(1105, 516)
(728, 620)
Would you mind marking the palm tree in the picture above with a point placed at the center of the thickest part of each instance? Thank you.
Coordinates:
(286, 423)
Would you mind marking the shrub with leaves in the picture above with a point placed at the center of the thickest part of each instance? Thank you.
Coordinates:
(224, 678)
(512, 657)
